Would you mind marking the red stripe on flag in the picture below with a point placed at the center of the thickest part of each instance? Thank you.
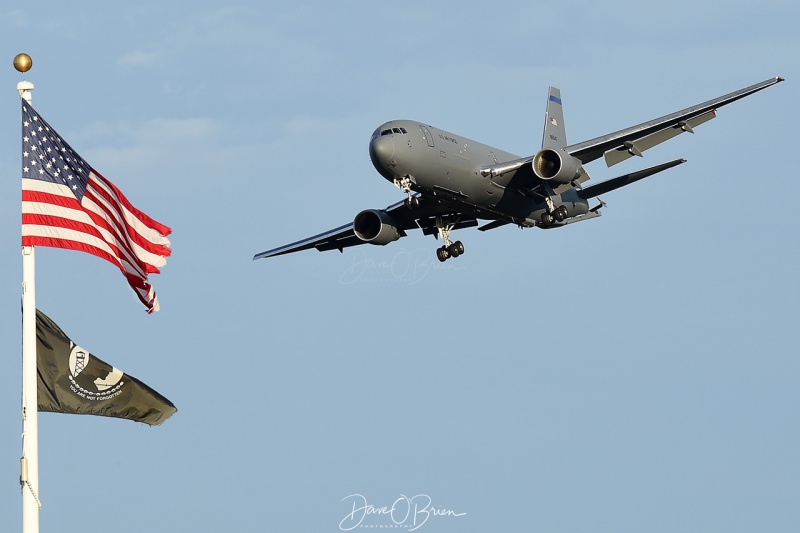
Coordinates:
(91, 225)
(103, 222)
(54, 223)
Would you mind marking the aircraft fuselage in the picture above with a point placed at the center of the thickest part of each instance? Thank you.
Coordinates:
(448, 166)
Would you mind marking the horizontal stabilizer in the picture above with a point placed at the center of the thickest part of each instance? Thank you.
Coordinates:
(626, 179)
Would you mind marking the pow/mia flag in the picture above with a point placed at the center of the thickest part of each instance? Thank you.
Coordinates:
(71, 380)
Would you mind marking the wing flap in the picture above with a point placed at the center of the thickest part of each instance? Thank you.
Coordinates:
(632, 148)
(629, 137)
(494, 224)
(428, 225)
(317, 241)
(340, 243)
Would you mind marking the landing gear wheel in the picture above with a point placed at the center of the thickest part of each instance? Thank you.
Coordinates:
(448, 249)
(561, 213)
(547, 219)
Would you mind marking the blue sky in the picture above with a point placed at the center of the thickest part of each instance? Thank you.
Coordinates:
(638, 372)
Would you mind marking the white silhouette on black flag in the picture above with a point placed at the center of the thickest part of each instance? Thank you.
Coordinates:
(71, 380)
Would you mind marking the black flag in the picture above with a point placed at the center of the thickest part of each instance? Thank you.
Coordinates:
(71, 380)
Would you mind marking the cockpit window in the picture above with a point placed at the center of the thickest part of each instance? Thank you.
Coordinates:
(390, 131)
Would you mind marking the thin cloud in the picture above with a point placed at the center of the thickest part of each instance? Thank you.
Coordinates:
(14, 19)
(138, 58)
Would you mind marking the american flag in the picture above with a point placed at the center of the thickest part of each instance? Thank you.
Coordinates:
(68, 204)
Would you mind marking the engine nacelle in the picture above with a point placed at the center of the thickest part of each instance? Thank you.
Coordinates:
(376, 227)
(556, 165)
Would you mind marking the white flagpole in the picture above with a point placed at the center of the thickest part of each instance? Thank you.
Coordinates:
(29, 475)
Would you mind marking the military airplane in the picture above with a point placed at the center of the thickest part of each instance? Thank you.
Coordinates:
(452, 182)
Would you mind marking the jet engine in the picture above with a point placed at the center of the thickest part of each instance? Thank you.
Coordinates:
(555, 165)
(376, 227)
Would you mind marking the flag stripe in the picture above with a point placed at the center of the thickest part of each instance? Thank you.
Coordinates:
(57, 206)
(102, 216)
(136, 225)
(67, 204)
(143, 289)
(146, 224)
(37, 225)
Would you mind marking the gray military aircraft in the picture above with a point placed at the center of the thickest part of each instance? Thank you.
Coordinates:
(452, 182)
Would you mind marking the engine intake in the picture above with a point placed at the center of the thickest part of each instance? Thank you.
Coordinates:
(556, 165)
(376, 227)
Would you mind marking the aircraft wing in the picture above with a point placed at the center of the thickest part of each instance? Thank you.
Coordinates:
(632, 141)
(421, 216)
(340, 238)
(619, 146)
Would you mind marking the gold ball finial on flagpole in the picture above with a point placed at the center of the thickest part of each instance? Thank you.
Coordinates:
(23, 62)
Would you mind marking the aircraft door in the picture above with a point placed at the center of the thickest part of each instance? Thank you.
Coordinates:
(426, 134)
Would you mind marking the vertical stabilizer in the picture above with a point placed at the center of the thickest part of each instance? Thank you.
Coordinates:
(555, 136)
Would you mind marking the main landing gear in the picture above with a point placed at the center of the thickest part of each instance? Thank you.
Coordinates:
(449, 249)
(557, 215)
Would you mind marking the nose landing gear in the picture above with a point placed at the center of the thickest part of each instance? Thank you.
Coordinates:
(404, 184)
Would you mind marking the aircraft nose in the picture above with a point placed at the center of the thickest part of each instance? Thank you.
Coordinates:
(381, 151)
